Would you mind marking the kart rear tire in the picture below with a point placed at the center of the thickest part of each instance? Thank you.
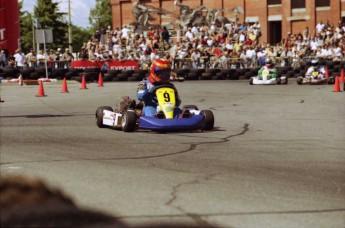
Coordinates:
(99, 115)
(190, 107)
(331, 81)
(299, 81)
(209, 119)
(286, 81)
(129, 121)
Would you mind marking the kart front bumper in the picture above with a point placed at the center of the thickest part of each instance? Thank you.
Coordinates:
(174, 124)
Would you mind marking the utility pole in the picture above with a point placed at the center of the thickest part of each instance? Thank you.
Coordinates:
(69, 27)
(33, 33)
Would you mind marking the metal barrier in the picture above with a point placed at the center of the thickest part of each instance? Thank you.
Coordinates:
(50, 64)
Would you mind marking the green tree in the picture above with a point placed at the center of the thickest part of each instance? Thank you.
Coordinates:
(100, 16)
(79, 36)
(49, 17)
(26, 29)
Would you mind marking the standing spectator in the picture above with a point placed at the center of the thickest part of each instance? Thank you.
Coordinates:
(224, 60)
(67, 58)
(3, 60)
(165, 37)
(195, 56)
(153, 55)
(125, 33)
(261, 55)
(19, 58)
(41, 58)
(251, 56)
(144, 61)
(319, 27)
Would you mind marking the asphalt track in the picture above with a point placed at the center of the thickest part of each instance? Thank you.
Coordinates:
(276, 157)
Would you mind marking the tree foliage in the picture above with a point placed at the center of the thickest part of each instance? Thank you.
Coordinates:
(49, 17)
(100, 16)
(26, 31)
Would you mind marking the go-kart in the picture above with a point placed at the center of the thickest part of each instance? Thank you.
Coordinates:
(165, 120)
(267, 80)
(315, 78)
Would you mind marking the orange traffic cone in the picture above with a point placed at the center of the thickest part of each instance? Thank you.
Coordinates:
(100, 80)
(336, 85)
(64, 86)
(326, 73)
(40, 89)
(83, 83)
(342, 79)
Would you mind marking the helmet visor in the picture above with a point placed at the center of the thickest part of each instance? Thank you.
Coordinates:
(162, 73)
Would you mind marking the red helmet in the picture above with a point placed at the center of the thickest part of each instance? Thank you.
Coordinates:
(160, 71)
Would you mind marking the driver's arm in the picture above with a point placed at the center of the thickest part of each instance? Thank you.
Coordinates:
(274, 73)
(177, 97)
(260, 71)
(142, 91)
(310, 69)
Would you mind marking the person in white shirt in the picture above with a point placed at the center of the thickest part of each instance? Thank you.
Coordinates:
(337, 52)
(189, 35)
(125, 33)
(195, 30)
(195, 56)
(324, 52)
(251, 56)
(210, 42)
(314, 44)
(153, 55)
(261, 56)
(19, 58)
(224, 60)
(40, 58)
(319, 27)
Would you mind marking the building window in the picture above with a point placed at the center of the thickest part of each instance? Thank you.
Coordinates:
(274, 2)
(322, 3)
(295, 4)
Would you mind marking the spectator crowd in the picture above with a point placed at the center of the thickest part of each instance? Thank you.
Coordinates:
(235, 45)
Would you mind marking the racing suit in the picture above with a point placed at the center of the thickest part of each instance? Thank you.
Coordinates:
(320, 69)
(150, 101)
(272, 74)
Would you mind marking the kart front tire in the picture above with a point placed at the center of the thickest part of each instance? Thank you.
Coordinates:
(251, 81)
(99, 115)
(299, 81)
(129, 121)
(209, 119)
(279, 81)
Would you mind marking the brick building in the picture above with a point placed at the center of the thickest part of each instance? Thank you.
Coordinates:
(277, 17)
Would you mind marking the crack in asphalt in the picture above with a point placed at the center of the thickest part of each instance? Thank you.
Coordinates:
(311, 211)
(195, 217)
(192, 147)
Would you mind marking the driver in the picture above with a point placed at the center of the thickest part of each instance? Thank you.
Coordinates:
(315, 67)
(160, 73)
(268, 67)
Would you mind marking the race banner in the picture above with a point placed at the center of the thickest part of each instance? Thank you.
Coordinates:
(107, 65)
